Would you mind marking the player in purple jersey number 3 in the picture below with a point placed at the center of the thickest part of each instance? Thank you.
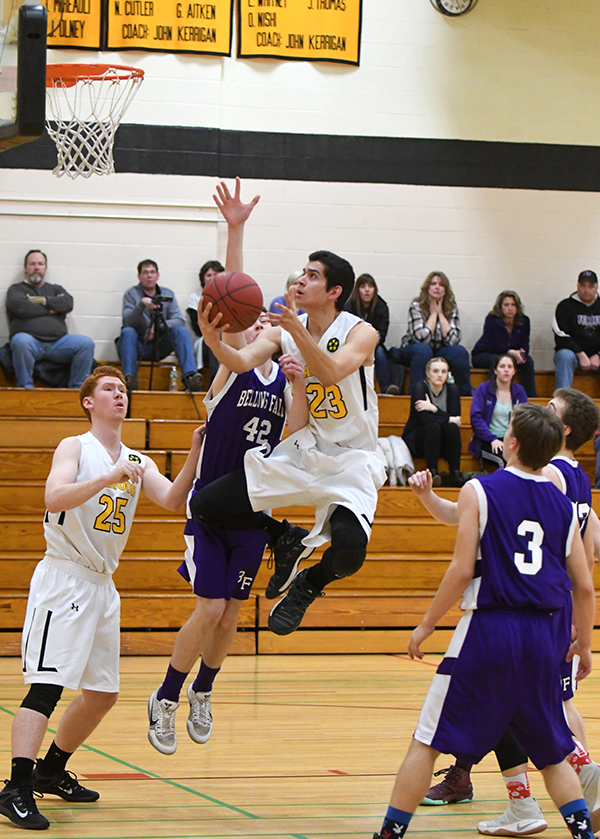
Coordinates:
(518, 553)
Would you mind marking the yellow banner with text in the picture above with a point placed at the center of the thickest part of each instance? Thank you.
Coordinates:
(300, 30)
(74, 24)
(170, 26)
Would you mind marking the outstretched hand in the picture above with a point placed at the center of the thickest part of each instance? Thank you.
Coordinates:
(234, 211)
(210, 329)
(287, 317)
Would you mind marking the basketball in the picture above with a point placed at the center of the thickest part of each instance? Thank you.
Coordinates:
(236, 296)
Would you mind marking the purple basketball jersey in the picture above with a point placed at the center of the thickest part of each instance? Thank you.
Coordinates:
(577, 487)
(526, 527)
(248, 412)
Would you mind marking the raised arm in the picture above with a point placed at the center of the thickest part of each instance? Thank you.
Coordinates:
(172, 494)
(63, 492)
(442, 509)
(237, 360)
(236, 214)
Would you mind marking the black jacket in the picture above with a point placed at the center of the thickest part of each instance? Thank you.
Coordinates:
(378, 317)
(420, 418)
(577, 326)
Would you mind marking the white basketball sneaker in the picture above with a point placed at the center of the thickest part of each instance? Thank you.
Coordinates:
(522, 817)
(199, 721)
(161, 724)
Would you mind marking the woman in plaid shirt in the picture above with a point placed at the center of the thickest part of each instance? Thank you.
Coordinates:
(434, 330)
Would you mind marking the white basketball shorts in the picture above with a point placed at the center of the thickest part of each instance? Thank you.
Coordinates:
(71, 631)
(299, 472)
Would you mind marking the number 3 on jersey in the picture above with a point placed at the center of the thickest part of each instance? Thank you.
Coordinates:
(337, 408)
(531, 562)
(112, 507)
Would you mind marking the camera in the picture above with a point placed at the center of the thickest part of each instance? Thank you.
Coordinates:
(159, 299)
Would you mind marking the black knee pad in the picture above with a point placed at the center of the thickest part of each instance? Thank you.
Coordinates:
(348, 562)
(42, 698)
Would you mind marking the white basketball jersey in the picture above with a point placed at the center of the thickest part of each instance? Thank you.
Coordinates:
(94, 534)
(345, 414)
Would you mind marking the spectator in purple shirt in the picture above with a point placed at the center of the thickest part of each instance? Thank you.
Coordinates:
(506, 330)
(491, 410)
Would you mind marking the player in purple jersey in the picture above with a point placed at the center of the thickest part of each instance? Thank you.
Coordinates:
(517, 553)
(580, 418)
(244, 411)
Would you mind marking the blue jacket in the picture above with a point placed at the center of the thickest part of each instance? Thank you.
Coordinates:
(497, 340)
(482, 408)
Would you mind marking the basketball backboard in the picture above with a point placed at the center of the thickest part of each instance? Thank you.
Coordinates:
(22, 72)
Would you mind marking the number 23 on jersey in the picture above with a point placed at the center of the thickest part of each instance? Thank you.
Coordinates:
(319, 395)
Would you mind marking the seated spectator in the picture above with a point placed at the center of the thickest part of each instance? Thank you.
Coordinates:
(366, 303)
(491, 409)
(434, 329)
(506, 330)
(433, 426)
(281, 299)
(153, 330)
(576, 328)
(204, 356)
(37, 313)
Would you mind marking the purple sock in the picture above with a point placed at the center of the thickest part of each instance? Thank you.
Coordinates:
(205, 678)
(171, 687)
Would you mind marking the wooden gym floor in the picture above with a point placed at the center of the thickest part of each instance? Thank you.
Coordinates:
(302, 746)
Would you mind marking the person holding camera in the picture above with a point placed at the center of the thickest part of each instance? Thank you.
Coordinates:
(153, 327)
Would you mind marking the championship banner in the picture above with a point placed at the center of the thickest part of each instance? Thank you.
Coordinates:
(170, 26)
(300, 30)
(74, 24)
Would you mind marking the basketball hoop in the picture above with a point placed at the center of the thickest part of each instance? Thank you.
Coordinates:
(86, 103)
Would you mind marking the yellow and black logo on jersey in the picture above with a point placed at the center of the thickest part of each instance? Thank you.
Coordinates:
(135, 458)
(333, 344)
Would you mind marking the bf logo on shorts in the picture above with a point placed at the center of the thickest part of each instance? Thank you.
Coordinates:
(244, 581)
(333, 344)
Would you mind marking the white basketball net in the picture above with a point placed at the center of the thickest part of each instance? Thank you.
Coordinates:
(83, 118)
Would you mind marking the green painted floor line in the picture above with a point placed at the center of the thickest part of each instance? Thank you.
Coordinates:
(154, 775)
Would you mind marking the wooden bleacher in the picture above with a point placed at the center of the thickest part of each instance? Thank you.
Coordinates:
(373, 611)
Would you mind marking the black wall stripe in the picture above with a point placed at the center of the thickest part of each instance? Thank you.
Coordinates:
(166, 150)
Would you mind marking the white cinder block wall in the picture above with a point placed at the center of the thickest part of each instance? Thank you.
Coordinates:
(509, 71)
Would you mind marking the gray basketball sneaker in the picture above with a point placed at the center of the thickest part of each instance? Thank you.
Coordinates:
(199, 721)
(522, 817)
(161, 724)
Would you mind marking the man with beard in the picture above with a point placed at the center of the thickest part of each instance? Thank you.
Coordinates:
(36, 313)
